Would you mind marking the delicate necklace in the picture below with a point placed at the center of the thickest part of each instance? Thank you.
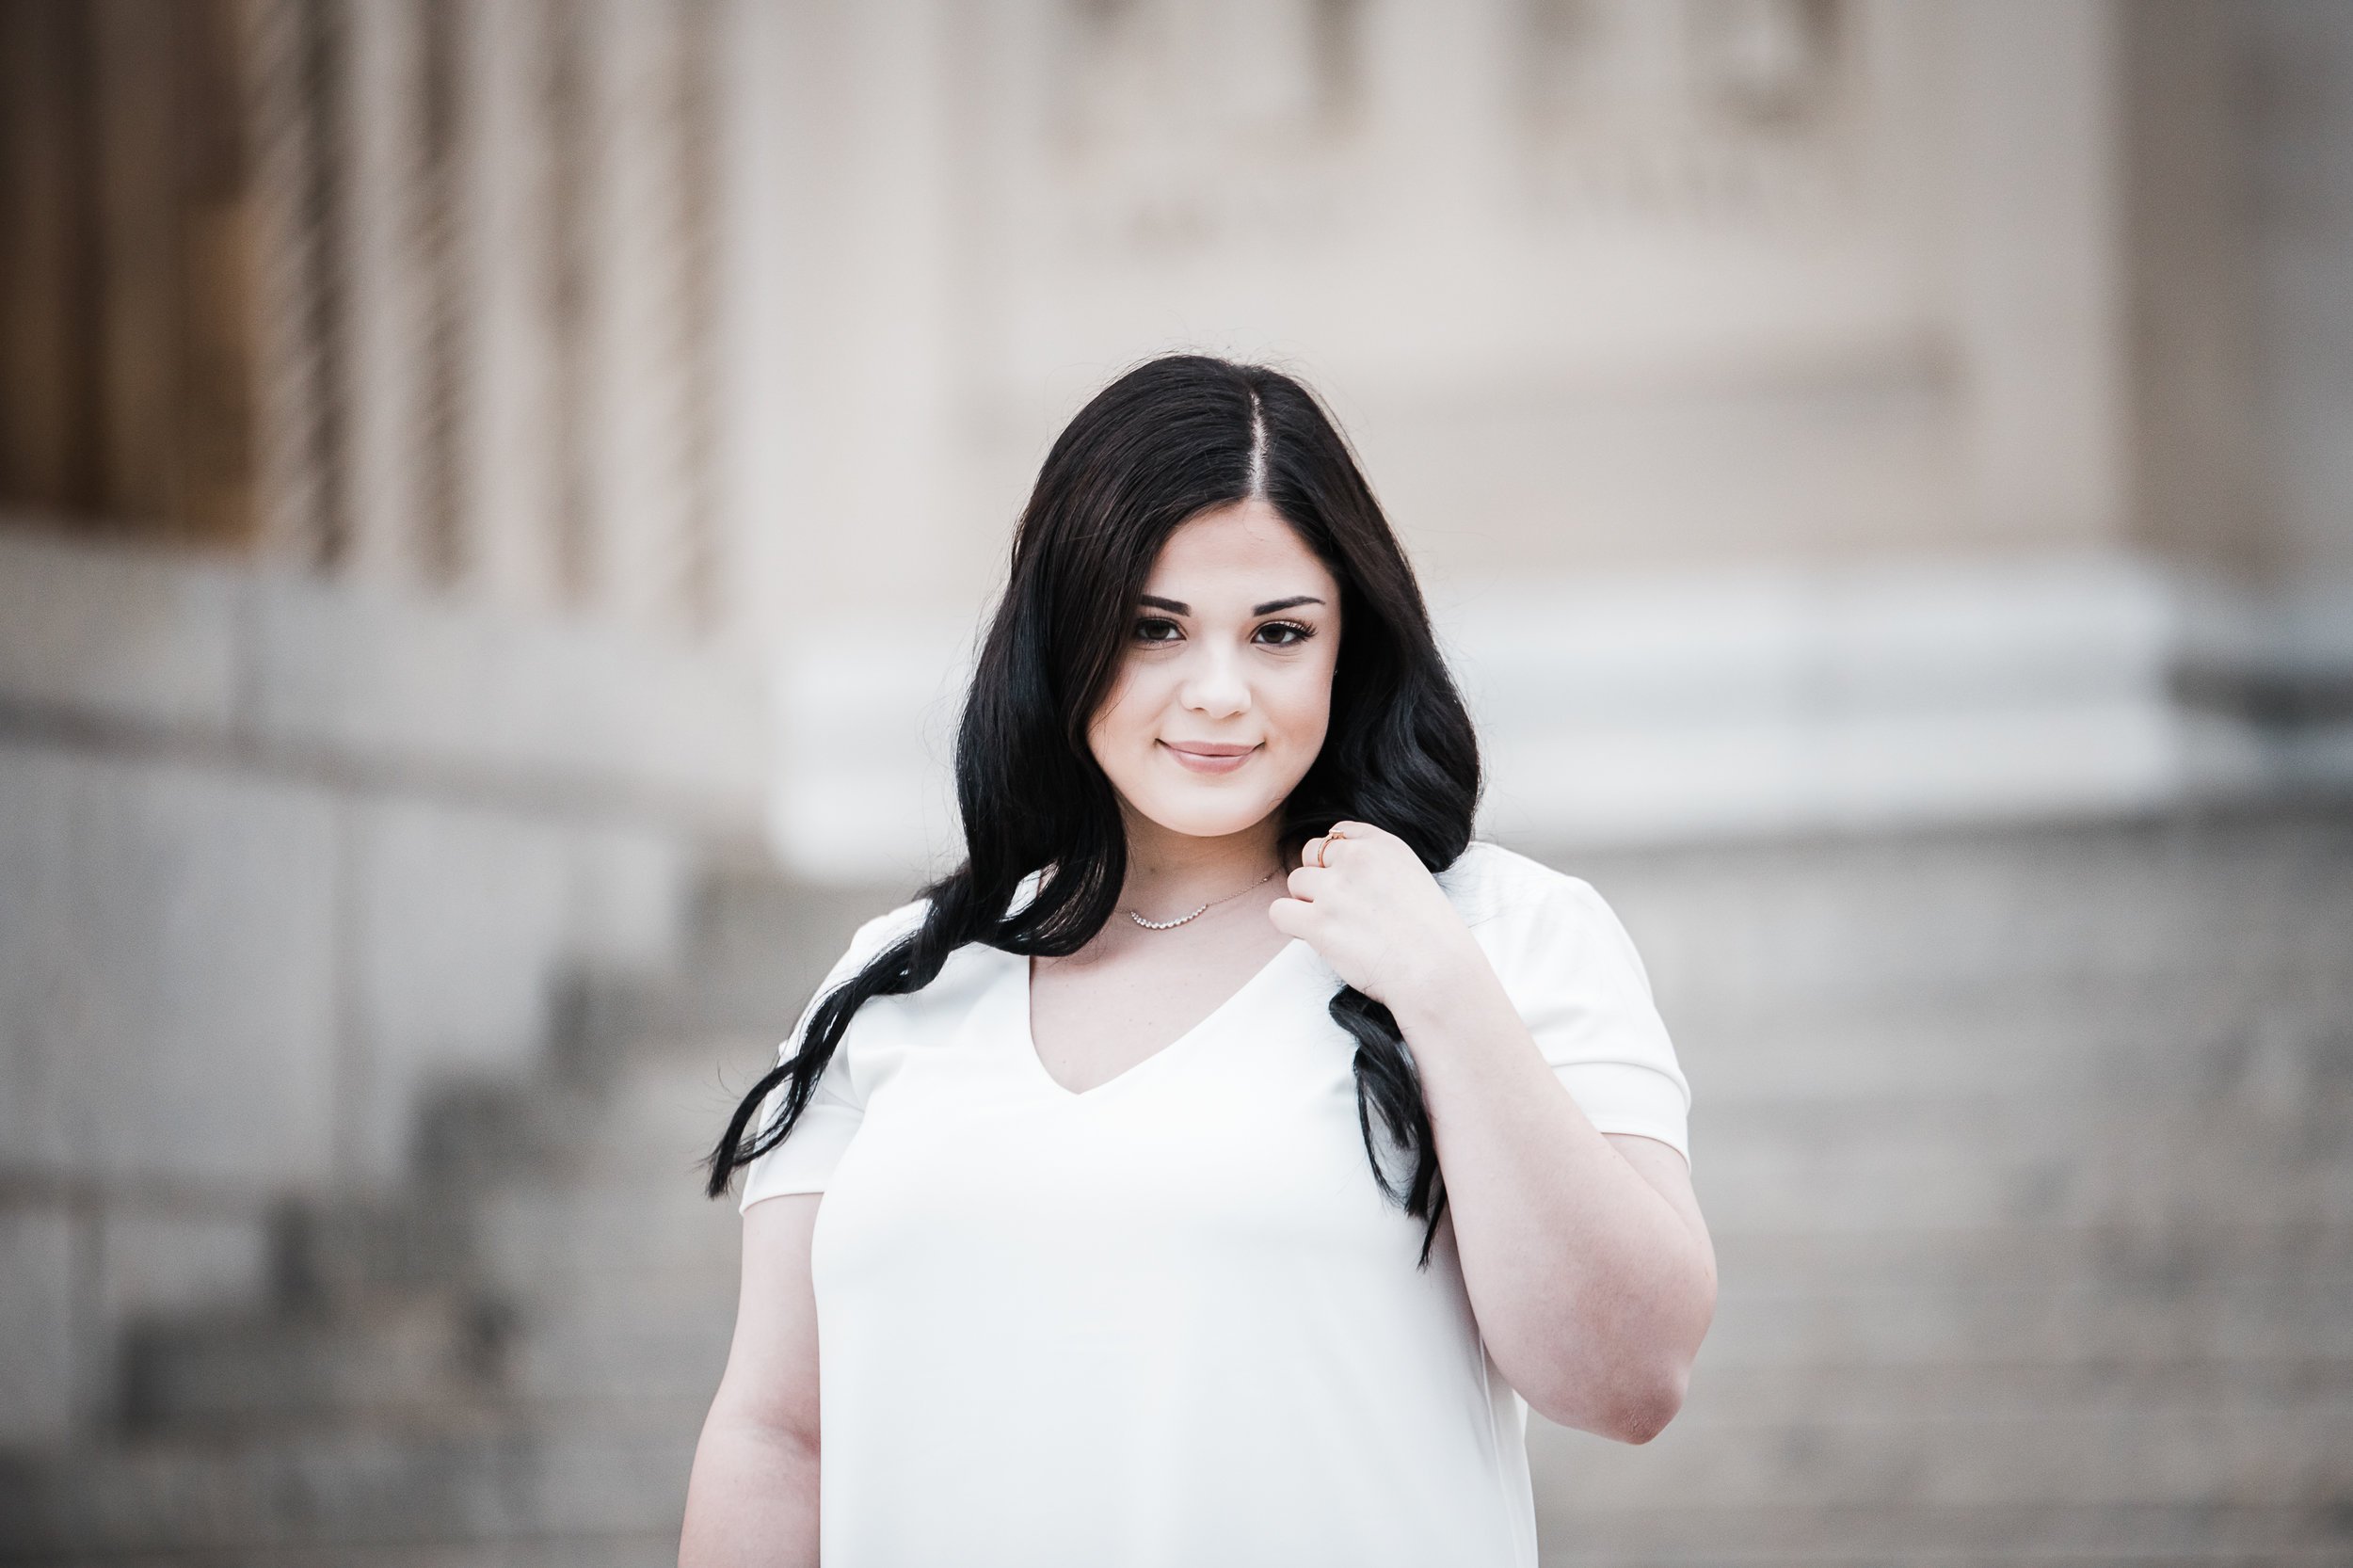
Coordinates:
(1163, 925)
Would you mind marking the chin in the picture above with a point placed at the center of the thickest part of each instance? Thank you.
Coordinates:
(1200, 824)
(1209, 819)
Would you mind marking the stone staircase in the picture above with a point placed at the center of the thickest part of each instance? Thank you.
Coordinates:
(2029, 1161)
(2028, 1154)
(508, 1363)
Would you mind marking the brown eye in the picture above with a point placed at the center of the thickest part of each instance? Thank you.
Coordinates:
(1292, 633)
(1156, 629)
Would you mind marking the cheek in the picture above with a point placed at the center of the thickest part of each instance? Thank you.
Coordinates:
(1126, 714)
(1302, 706)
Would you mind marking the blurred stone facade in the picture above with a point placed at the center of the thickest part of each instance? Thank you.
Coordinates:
(1802, 411)
(371, 656)
(471, 467)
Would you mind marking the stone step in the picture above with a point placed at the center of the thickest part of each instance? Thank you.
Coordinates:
(2270, 1037)
(2028, 1297)
(354, 1250)
(1878, 1165)
(649, 1335)
(508, 1233)
(657, 1550)
(2040, 1303)
(2268, 1434)
(540, 1232)
(1879, 1160)
(2197, 989)
(667, 1106)
(1673, 1538)
(2146, 1054)
(2275, 1435)
(1861, 1393)
(1945, 1164)
(1736, 928)
(404, 1361)
(1924, 913)
(517, 1232)
(1901, 966)
(1873, 1300)
(2112, 1536)
(765, 927)
(1878, 1299)
(758, 948)
(619, 1471)
(635, 1328)
(1681, 1538)
(651, 1116)
(2128, 1256)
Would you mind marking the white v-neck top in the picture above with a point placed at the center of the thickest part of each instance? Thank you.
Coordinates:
(1172, 1320)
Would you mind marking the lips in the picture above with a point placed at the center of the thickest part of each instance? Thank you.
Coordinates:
(1208, 756)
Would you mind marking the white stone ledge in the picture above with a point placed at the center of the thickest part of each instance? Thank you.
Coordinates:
(116, 632)
(1629, 709)
(371, 684)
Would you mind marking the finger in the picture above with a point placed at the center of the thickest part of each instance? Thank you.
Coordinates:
(1323, 854)
(1338, 848)
(1308, 881)
(1291, 917)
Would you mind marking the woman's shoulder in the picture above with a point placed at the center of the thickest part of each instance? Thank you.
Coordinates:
(879, 932)
(1534, 919)
(873, 937)
(1487, 880)
(912, 1017)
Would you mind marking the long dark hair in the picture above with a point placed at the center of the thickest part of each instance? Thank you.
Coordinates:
(1168, 440)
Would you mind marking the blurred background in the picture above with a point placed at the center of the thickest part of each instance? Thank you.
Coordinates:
(496, 498)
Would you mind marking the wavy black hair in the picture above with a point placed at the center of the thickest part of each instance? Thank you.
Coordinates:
(1167, 442)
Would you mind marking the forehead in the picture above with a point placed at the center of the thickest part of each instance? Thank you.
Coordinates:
(1246, 547)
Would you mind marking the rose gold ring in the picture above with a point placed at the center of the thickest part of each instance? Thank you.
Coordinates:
(1325, 847)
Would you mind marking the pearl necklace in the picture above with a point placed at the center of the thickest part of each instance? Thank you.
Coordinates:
(1165, 925)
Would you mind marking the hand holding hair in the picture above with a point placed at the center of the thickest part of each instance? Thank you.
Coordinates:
(1363, 900)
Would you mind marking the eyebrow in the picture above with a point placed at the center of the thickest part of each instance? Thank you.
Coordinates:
(1177, 607)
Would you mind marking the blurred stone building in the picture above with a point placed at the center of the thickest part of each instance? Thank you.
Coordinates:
(1803, 413)
(497, 496)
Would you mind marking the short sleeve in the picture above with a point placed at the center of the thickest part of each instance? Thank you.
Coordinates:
(804, 1161)
(1571, 969)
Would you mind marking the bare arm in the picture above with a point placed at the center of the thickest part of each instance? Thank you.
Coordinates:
(752, 1499)
(1583, 1253)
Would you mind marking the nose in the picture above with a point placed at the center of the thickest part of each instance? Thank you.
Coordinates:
(1215, 686)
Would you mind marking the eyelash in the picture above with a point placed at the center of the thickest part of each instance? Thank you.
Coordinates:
(1300, 634)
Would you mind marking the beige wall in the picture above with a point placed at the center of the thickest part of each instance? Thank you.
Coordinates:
(1801, 413)
(2296, 109)
(1650, 290)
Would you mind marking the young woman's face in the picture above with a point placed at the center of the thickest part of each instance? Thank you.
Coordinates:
(1225, 689)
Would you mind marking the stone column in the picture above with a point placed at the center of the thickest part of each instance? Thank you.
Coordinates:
(650, 319)
(297, 83)
(512, 358)
(384, 369)
(2036, 272)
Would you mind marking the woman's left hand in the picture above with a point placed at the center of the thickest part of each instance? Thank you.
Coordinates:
(1376, 915)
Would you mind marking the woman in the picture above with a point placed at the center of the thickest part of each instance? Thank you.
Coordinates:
(1213, 1162)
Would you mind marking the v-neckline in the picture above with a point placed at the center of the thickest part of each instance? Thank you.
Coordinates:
(1026, 1037)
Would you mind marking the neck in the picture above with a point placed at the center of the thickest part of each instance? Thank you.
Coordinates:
(1169, 868)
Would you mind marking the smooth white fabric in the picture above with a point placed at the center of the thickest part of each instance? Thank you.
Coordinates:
(1172, 1320)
